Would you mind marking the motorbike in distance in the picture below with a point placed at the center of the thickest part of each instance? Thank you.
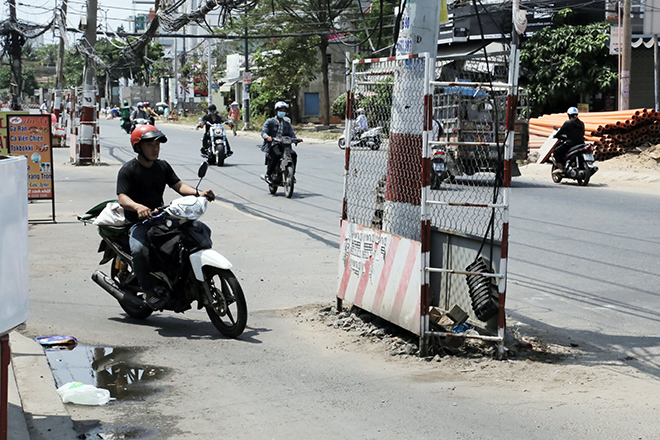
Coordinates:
(285, 174)
(185, 265)
(215, 152)
(439, 170)
(367, 139)
(139, 121)
(579, 164)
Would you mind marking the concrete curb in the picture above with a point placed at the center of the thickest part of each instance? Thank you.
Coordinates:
(44, 413)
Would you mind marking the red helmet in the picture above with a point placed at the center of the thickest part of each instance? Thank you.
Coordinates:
(147, 133)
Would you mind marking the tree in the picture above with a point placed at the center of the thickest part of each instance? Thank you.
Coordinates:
(288, 65)
(318, 16)
(566, 64)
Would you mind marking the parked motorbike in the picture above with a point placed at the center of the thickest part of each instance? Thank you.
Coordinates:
(579, 164)
(187, 268)
(439, 170)
(215, 151)
(367, 139)
(286, 170)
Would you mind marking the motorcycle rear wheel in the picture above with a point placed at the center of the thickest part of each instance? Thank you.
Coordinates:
(142, 312)
(272, 188)
(587, 174)
(555, 177)
(376, 144)
(288, 182)
(342, 143)
(228, 312)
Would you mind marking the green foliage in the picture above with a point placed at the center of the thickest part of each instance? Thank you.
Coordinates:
(288, 65)
(7, 78)
(339, 106)
(562, 65)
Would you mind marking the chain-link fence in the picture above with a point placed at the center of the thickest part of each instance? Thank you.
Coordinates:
(428, 160)
(385, 122)
(471, 142)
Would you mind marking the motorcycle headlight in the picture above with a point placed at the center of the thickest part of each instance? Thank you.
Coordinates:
(217, 131)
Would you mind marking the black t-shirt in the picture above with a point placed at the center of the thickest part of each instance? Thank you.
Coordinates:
(145, 185)
(213, 119)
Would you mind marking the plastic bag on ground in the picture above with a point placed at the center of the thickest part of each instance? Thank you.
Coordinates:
(82, 394)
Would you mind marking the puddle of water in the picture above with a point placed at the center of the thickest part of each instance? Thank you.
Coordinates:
(112, 368)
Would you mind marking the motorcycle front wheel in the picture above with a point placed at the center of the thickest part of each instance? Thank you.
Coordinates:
(221, 159)
(142, 312)
(228, 310)
(288, 182)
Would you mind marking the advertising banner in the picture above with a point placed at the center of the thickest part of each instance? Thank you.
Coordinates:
(30, 136)
(4, 139)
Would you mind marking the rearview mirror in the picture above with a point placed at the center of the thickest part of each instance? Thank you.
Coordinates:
(203, 168)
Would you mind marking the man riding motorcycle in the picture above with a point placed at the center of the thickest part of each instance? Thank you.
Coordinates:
(276, 127)
(140, 186)
(214, 118)
(125, 113)
(573, 130)
(139, 113)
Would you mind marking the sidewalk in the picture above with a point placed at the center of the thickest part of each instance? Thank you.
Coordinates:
(35, 410)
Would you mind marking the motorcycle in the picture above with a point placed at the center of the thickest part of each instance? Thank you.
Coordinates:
(139, 121)
(188, 268)
(126, 125)
(439, 170)
(215, 152)
(579, 164)
(369, 139)
(286, 173)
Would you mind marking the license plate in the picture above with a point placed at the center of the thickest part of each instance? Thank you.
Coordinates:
(589, 157)
(438, 166)
(492, 154)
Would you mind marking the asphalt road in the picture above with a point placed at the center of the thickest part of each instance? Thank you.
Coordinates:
(582, 266)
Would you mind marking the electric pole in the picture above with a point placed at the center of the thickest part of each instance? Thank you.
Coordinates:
(88, 128)
(626, 47)
(16, 41)
(246, 98)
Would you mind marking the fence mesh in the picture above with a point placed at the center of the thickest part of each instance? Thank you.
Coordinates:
(383, 182)
(472, 138)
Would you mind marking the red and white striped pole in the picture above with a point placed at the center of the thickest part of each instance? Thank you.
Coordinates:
(418, 34)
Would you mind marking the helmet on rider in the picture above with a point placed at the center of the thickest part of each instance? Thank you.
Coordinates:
(139, 104)
(281, 105)
(125, 102)
(360, 111)
(146, 133)
(212, 108)
(572, 111)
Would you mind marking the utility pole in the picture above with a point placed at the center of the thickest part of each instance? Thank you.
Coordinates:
(88, 123)
(626, 47)
(246, 96)
(208, 73)
(59, 75)
(16, 41)
(418, 34)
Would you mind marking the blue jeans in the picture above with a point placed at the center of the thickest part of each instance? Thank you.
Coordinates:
(139, 242)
